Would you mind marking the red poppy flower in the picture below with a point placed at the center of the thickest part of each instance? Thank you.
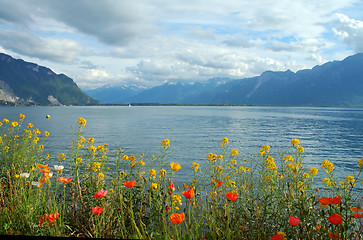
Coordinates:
(231, 196)
(167, 208)
(100, 194)
(335, 219)
(129, 184)
(328, 200)
(171, 187)
(186, 187)
(44, 170)
(64, 180)
(188, 194)
(293, 221)
(42, 165)
(358, 215)
(334, 236)
(52, 217)
(41, 220)
(217, 183)
(97, 210)
(356, 209)
(276, 237)
(177, 218)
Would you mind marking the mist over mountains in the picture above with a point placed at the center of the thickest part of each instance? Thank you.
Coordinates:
(337, 83)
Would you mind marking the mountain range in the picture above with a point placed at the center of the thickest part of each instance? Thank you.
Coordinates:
(336, 83)
(30, 84)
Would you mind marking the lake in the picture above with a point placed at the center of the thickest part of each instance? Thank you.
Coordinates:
(335, 134)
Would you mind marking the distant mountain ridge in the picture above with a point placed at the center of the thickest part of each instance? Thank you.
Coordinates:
(28, 83)
(337, 83)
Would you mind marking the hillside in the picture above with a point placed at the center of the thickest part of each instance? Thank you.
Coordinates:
(337, 83)
(28, 83)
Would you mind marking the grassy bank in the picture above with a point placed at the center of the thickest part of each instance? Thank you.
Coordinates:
(95, 192)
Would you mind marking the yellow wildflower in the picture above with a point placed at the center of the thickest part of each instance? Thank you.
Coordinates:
(61, 156)
(271, 163)
(101, 176)
(46, 133)
(152, 172)
(36, 131)
(313, 171)
(220, 170)
(22, 116)
(212, 157)
(162, 173)
(154, 185)
(349, 179)
(360, 162)
(300, 149)
(125, 157)
(328, 165)
(123, 174)
(30, 125)
(82, 122)
(14, 124)
(90, 141)
(225, 141)
(288, 158)
(176, 199)
(79, 160)
(234, 152)
(175, 166)
(306, 175)
(165, 143)
(327, 181)
(195, 166)
(295, 141)
(141, 163)
(5, 120)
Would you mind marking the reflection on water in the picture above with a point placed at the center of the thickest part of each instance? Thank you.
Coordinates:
(335, 134)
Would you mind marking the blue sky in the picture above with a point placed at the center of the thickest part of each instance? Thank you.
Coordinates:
(149, 42)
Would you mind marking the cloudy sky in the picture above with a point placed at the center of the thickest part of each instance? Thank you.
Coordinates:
(149, 42)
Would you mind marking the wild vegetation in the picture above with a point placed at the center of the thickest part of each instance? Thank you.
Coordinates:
(95, 192)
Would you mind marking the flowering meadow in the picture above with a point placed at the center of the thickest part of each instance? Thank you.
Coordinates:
(96, 192)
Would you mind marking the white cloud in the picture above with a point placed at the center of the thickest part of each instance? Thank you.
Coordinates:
(349, 31)
(153, 41)
(25, 43)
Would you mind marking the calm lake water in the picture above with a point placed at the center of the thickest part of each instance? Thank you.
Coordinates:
(335, 134)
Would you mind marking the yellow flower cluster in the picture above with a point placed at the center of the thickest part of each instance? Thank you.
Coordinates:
(270, 162)
(175, 166)
(82, 122)
(234, 152)
(295, 142)
(165, 143)
(327, 181)
(265, 149)
(154, 185)
(313, 171)
(328, 165)
(176, 199)
(294, 167)
(212, 157)
(152, 172)
(96, 166)
(288, 158)
(162, 173)
(350, 179)
(225, 141)
(195, 166)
